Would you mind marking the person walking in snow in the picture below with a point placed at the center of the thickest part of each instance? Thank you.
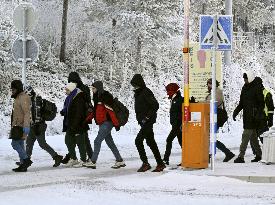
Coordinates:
(20, 124)
(38, 128)
(74, 112)
(268, 110)
(146, 107)
(220, 103)
(174, 95)
(106, 119)
(75, 78)
(252, 104)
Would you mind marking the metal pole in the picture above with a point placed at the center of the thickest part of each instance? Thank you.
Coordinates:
(186, 60)
(213, 105)
(24, 40)
(228, 11)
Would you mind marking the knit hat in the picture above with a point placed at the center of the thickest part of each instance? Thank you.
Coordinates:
(99, 86)
(171, 89)
(71, 86)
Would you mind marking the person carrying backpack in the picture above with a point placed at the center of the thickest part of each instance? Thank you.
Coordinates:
(106, 118)
(174, 95)
(75, 78)
(38, 128)
(146, 107)
(220, 104)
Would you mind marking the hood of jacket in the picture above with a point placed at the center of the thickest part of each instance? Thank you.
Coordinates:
(137, 81)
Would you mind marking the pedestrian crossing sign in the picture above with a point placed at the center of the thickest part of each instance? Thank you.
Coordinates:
(224, 32)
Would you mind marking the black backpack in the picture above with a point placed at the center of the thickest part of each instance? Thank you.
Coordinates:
(121, 111)
(49, 110)
(222, 116)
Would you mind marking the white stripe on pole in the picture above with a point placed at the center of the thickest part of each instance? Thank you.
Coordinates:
(213, 94)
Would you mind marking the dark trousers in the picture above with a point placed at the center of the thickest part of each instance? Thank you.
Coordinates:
(71, 140)
(175, 132)
(222, 147)
(250, 135)
(146, 133)
(89, 148)
(37, 132)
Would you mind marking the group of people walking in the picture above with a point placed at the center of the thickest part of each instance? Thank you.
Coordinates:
(28, 123)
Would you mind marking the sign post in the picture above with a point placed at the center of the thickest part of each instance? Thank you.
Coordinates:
(24, 21)
(216, 34)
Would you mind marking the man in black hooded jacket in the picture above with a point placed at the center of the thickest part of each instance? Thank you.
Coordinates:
(75, 78)
(252, 104)
(146, 107)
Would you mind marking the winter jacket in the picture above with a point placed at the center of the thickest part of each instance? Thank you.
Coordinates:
(252, 104)
(219, 97)
(76, 114)
(176, 110)
(146, 105)
(21, 113)
(103, 109)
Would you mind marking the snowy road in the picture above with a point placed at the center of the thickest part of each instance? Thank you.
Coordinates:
(44, 184)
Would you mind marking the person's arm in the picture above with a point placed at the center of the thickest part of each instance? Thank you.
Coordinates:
(152, 103)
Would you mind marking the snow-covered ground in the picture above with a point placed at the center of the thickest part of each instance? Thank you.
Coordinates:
(44, 184)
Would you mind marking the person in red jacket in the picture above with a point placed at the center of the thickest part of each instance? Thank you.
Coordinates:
(106, 119)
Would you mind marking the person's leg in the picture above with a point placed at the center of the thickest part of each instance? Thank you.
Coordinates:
(140, 146)
(18, 145)
(30, 142)
(245, 139)
(42, 142)
(169, 143)
(255, 143)
(150, 140)
(71, 143)
(179, 136)
(110, 142)
(103, 131)
(89, 148)
(222, 147)
(81, 144)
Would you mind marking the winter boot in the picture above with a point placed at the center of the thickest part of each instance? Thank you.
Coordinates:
(66, 159)
(256, 159)
(159, 168)
(145, 167)
(23, 167)
(239, 160)
(18, 163)
(57, 160)
(118, 165)
(228, 157)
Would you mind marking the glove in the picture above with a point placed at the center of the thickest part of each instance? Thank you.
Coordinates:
(62, 112)
(270, 120)
(117, 128)
(26, 130)
(235, 115)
